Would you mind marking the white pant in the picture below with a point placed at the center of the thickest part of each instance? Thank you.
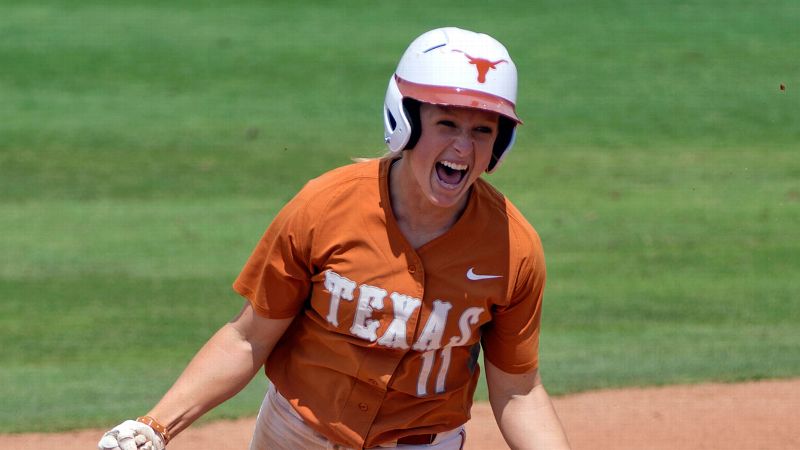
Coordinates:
(279, 427)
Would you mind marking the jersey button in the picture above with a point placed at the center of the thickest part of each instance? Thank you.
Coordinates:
(412, 269)
(363, 407)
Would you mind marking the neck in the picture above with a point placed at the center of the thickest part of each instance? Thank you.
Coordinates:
(419, 219)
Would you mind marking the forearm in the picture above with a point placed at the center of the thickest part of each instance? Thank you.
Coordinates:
(530, 422)
(222, 367)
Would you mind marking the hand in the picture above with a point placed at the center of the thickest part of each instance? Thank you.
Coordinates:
(131, 435)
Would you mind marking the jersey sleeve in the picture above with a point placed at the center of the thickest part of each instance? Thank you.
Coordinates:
(511, 340)
(277, 277)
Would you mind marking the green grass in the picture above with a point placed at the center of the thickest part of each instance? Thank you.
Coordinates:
(145, 146)
(97, 347)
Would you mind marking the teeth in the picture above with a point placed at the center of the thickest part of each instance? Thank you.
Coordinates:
(454, 166)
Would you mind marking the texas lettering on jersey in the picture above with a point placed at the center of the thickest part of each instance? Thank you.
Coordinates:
(371, 299)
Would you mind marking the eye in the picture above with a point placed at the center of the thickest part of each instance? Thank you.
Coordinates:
(447, 123)
(484, 129)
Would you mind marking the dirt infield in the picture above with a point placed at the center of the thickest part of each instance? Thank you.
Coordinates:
(758, 415)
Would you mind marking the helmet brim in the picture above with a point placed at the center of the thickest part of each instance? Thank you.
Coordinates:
(454, 96)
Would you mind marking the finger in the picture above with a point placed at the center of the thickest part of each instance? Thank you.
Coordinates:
(152, 437)
(140, 440)
(108, 442)
(126, 441)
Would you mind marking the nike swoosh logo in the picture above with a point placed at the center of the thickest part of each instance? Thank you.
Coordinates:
(475, 277)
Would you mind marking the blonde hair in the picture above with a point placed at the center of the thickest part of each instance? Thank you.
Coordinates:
(387, 155)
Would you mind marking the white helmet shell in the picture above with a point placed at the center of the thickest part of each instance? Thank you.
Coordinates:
(454, 67)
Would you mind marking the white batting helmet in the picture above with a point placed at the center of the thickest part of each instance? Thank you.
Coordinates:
(455, 67)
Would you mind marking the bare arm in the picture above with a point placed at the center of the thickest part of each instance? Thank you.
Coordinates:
(523, 410)
(223, 367)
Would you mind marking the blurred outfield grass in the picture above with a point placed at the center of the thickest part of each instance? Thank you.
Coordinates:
(145, 146)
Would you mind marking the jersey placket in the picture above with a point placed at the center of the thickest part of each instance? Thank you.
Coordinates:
(376, 370)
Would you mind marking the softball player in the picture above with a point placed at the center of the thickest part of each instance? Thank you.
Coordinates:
(372, 292)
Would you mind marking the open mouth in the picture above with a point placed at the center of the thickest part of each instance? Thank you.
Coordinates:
(451, 173)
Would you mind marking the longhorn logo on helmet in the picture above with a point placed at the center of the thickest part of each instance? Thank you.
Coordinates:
(483, 65)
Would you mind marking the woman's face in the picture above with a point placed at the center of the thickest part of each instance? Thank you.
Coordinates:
(454, 149)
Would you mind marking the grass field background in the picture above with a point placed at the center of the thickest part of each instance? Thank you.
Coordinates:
(145, 146)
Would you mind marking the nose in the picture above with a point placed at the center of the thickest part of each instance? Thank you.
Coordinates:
(463, 142)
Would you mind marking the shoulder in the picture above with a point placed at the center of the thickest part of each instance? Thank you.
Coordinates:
(369, 169)
(330, 196)
(338, 184)
(503, 213)
(344, 176)
(522, 233)
(522, 247)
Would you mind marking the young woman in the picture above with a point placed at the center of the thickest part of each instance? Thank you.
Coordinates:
(372, 292)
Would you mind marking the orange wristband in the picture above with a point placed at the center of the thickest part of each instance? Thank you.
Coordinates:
(153, 423)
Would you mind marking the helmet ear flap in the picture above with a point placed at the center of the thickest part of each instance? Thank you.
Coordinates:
(411, 108)
(506, 134)
(401, 121)
(396, 126)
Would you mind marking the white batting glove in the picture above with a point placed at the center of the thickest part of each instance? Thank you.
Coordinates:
(131, 435)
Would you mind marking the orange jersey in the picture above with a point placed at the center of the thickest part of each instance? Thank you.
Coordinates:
(386, 337)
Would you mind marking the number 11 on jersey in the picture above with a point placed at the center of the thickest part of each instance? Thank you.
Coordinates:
(428, 359)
